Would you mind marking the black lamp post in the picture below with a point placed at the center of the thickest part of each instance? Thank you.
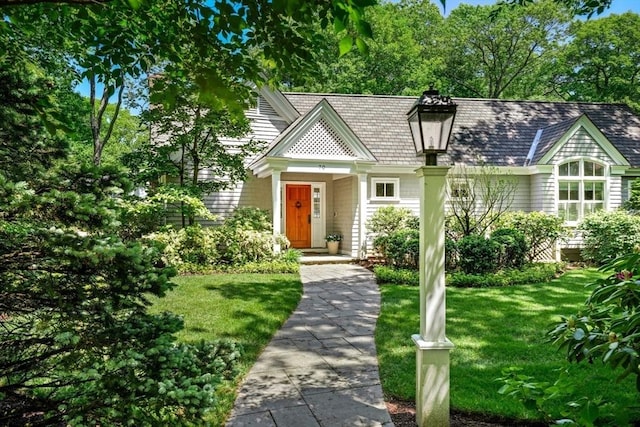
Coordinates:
(431, 120)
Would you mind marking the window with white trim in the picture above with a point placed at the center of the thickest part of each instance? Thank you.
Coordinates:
(385, 189)
(459, 189)
(581, 188)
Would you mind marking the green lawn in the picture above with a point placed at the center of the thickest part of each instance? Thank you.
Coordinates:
(492, 328)
(248, 308)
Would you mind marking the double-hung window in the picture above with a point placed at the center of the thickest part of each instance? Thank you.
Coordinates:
(581, 188)
(385, 189)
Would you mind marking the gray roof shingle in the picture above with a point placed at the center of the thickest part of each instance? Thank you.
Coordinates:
(493, 131)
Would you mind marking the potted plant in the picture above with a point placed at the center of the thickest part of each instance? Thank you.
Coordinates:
(333, 241)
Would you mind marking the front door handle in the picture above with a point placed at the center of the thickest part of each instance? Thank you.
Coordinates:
(309, 218)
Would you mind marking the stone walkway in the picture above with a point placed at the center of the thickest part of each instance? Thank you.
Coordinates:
(321, 368)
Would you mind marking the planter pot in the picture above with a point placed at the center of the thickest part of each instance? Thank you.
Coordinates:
(333, 247)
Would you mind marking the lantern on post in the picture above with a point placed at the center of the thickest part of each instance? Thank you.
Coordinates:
(431, 121)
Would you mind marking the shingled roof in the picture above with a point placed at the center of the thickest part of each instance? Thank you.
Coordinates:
(493, 131)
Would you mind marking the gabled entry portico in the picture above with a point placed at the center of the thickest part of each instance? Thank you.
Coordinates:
(317, 151)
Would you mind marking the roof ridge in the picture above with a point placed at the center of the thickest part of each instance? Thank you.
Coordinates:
(530, 101)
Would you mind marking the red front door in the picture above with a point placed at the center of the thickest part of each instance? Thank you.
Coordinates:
(298, 211)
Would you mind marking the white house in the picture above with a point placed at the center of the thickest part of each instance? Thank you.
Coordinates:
(332, 159)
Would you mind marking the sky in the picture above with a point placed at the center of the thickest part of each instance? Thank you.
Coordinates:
(617, 6)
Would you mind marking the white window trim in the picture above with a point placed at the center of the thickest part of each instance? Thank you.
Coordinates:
(380, 180)
(581, 179)
(452, 183)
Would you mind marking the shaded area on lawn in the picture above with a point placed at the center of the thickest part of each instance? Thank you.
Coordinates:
(492, 328)
(245, 308)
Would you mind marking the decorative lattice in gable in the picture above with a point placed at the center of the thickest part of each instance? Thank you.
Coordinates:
(321, 140)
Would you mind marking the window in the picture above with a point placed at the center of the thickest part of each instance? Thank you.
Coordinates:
(581, 187)
(459, 189)
(385, 188)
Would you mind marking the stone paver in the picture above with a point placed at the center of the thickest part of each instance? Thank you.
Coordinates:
(320, 369)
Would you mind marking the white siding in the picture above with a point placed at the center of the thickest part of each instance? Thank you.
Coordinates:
(409, 194)
(581, 144)
(615, 193)
(345, 213)
(522, 195)
(543, 193)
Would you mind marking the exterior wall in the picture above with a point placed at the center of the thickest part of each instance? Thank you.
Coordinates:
(581, 144)
(343, 217)
(543, 191)
(409, 198)
(254, 192)
(522, 195)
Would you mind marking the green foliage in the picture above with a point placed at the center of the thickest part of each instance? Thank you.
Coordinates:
(608, 327)
(387, 219)
(606, 235)
(80, 347)
(478, 255)
(541, 397)
(599, 63)
(494, 52)
(541, 230)
(526, 275)
(396, 235)
(249, 218)
(399, 276)
(633, 204)
(244, 237)
(513, 247)
(400, 248)
(451, 255)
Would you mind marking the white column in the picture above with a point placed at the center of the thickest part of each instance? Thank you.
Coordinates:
(362, 202)
(276, 197)
(432, 345)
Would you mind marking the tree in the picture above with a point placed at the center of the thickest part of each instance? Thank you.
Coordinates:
(192, 138)
(77, 345)
(602, 60)
(493, 52)
(477, 198)
(578, 7)
(403, 33)
(112, 44)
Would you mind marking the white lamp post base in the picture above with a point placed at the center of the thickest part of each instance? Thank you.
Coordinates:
(432, 382)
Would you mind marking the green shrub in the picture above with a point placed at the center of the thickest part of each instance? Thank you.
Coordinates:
(609, 234)
(514, 248)
(398, 276)
(400, 248)
(527, 275)
(541, 231)
(266, 267)
(387, 219)
(607, 328)
(249, 218)
(245, 237)
(478, 255)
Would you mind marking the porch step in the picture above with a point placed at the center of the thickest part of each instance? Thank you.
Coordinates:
(320, 258)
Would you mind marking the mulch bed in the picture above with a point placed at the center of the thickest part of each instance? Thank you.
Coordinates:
(403, 414)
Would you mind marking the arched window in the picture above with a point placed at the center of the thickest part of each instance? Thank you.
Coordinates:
(581, 188)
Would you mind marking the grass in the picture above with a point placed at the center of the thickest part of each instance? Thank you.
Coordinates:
(247, 308)
(493, 328)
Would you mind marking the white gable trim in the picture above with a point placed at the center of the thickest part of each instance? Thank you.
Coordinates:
(593, 131)
(322, 110)
(280, 103)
